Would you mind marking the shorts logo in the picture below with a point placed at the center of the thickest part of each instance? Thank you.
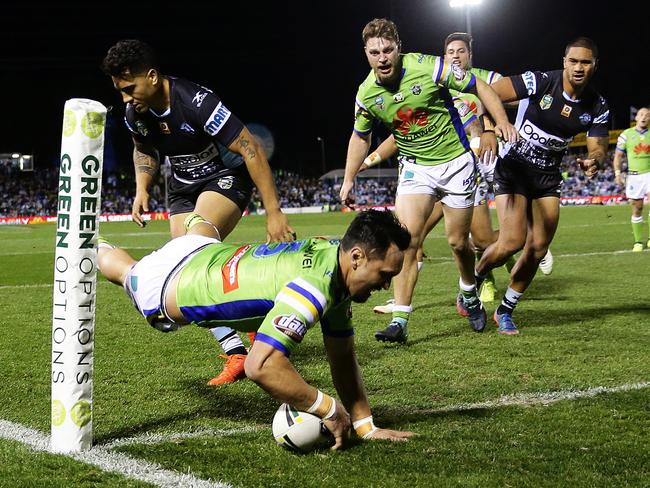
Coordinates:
(546, 101)
(198, 98)
(142, 129)
(217, 119)
(229, 271)
(226, 182)
(585, 119)
(291, 326)
(416, 89)
(530, 82)
(164, 128)
(398, 97)
(566, 111)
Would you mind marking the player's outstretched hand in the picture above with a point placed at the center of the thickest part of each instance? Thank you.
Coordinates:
(278, 228)
(346, 193)
(140, 205)
(339, 425)
(507, 131)
(488, 149)
(589, 166)
(391, 435)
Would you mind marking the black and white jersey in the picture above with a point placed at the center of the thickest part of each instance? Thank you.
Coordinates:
(194, 132)
(548, 119)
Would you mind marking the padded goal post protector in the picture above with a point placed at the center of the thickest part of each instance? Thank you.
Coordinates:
(75, 274)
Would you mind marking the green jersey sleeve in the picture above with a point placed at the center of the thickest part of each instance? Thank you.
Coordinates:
(362, 117)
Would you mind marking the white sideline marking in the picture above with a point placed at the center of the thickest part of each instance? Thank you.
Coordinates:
(115, 462)
(547, 398)
(157, 438)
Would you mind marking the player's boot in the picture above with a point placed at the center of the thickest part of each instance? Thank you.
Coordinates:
(546, 264)
(472, 308)
(638, 247)
(395, 332)
(386, 308)
(488, 291)
(505, 323)
(233, 370)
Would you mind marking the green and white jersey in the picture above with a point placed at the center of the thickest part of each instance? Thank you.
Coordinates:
(471, 100)
(636, 144)
(419, 110)
(279, 290)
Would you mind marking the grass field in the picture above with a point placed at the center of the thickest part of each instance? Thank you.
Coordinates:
(585, 326)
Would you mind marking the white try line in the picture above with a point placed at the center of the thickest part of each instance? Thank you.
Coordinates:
(542, 398)
(568, 255)
(107, 460)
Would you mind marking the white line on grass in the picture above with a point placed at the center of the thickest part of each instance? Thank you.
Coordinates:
(110, 461)
(544, 398)
(159, 438)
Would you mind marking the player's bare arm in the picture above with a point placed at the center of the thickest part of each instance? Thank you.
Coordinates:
(386, 149)
(277, 224)
(146, 163)
(357, 151)
(618, 166)
(596, 150)
(492, 103)
(274, 373)
(346, 375)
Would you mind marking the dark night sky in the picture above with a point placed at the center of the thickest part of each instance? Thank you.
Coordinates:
(293, 68)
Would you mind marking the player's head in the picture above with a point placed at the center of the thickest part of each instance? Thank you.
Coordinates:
(132, 66)
(372, 252)
(580, 59)
(642, 118)
(382, 46)
(458, 49)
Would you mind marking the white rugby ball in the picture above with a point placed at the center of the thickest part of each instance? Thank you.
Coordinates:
(299, 431)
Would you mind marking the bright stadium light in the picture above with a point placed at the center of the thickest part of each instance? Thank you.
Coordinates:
(466, 4)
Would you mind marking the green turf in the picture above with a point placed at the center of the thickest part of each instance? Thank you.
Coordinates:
(586, 325)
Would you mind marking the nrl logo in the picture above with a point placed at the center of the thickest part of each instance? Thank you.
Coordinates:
(545, 102)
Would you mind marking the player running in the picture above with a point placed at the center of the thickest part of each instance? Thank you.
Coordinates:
(409, 93)
(635, 143)
(554, 107)
(214, 160)
(281, 291)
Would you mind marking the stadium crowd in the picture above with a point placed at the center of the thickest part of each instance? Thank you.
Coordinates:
(35, 193)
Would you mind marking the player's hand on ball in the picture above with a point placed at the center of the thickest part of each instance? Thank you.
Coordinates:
(391, 435)
(339, 425)
(346, 193)
(589, 166)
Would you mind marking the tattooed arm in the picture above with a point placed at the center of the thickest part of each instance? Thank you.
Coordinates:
(597, 149)
(146, 163)
(277, 225)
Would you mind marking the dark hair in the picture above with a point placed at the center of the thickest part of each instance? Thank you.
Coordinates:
(375, 231)
(383, 28)
(129, 56)
(583, 42)
(459, 36)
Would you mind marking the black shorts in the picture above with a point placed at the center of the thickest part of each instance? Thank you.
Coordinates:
(234, 184)
(512, 176)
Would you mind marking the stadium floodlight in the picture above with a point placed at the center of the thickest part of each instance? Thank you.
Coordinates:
(15, 155)
(465, 4)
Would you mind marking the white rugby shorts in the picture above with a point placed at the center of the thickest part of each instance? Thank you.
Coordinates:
(637, 186)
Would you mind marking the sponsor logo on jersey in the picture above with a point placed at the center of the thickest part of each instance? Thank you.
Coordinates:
(416, 89)
(585, 119)
(459, 73)
(530, 82)
(546, 101)
(164, 128)
(641, 148)
(226, 182)
(198, 159)
(291, 326)
(141, 127)
(217, 119)
(229, 271)
(566, 111)
(541, 138)
(185, 127)
(398, 97)
(407, 117)
(420, 58)
(199, 97)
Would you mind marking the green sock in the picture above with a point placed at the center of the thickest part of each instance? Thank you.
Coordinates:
(637, 229)
(402, 315)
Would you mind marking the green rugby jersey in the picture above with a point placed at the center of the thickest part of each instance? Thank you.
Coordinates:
(471, 100)
(419, 111)
(279, 290)
(637, 146)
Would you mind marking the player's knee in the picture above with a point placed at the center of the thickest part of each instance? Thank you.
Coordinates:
(458, 243)
(511, 245)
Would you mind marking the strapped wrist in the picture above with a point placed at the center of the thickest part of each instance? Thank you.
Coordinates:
(324, 406)
(364, 427)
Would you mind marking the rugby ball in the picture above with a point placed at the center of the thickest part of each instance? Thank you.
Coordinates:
(299, 431)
